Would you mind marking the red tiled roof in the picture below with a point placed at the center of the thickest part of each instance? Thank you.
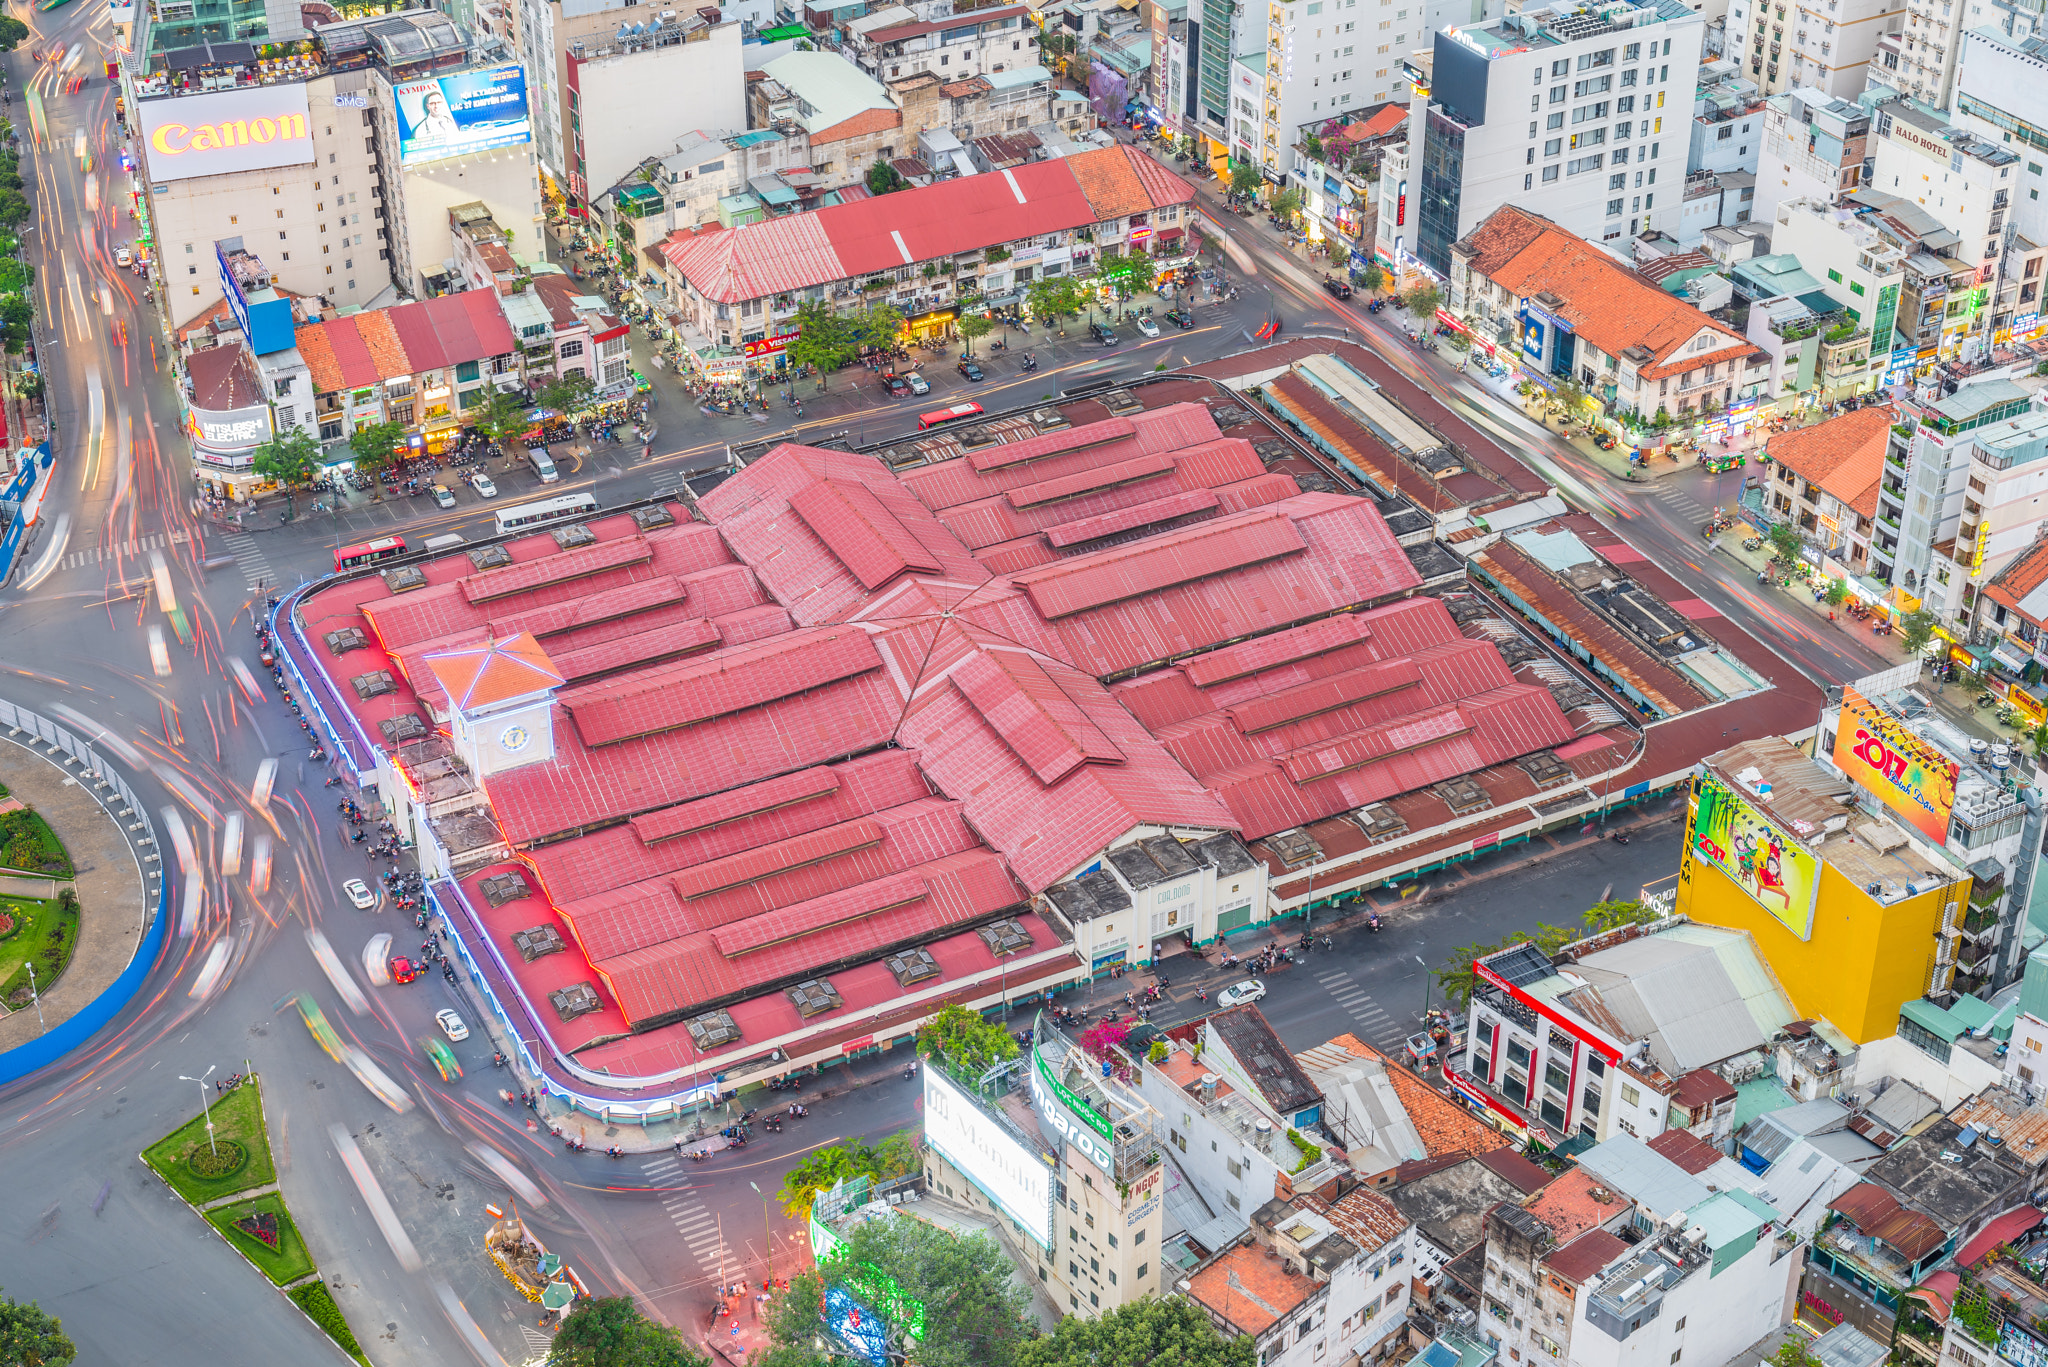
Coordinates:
(389, 344)
(1161, 562)
(492, 673)
(1687, 1150)
(1843, 455)
(1379, 125)
(2025, 573)
(1573, 1204)
(963, 19)
(224, 377)
(1250, 1289)
(1585, 1256)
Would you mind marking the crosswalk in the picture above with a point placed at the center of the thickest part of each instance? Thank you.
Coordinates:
(93, 555)
(693, 1221)
(1380, 1030)
(249, 558)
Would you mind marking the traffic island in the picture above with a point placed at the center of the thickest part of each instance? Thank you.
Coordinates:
(229, 1180)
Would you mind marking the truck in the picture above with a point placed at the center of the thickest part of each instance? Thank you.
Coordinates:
(543, 466)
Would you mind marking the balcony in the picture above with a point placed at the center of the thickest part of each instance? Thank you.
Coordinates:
(1888, 520)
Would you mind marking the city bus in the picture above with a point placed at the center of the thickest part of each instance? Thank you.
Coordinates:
(369, 552)
(546, 510)
(926, 422)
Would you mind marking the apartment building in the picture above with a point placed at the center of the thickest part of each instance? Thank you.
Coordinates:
(1727, 121)
(1824, 479)
(1826, 46)
(1916, 57)
(1963, 178)
(1860, 263)
(973, 42)
(1814, 146)
(1591, 152)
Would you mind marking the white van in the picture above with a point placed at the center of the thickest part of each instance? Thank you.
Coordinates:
(442, 543)
(542, 466)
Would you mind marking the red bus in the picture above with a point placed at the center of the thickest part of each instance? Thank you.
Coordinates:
(945, 415)
(369, 552)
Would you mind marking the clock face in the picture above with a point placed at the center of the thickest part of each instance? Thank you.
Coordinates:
(513, 739)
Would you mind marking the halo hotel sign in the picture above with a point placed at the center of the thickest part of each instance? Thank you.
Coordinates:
(257, 129)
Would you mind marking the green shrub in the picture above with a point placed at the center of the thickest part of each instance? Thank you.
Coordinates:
(318, 1302)
(221, 1158)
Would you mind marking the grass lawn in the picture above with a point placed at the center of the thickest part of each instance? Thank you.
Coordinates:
(237, 1116)
(42, 925)
(286, 1263)
(27, 843)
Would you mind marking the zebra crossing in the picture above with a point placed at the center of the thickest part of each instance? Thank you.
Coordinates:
(1380, 1030)
(693, 1221)
(249, 558)
(93, 555)
(536, 1341)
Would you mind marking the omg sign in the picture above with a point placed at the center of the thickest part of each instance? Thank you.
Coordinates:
(257, 129)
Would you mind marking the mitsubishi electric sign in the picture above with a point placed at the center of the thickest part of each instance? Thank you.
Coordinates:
(1012, 1176)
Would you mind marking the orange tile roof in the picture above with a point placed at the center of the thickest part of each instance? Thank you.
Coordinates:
(1110, 182)
(1250, 1289)
(867, 121)
(1444, 1126)
(1569, 1207)
(386, 351)
(1606, 303)
(1380, 124)
(2027, 572)
(478, 676)
(1843, 455)
(1363, 1216)
(318, 353)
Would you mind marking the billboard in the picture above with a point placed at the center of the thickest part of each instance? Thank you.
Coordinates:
(469, 111)
(1907, 774)
(1015, 1178)
(228, 432)
(257, 129)
(1777, 871)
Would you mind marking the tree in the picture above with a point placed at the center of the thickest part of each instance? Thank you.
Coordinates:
(974, 326)
(1792, 1353)
(1916, 629)
(1244, 177)
(1457, 981)
(822, 340)
(500, 416)
(12, 31)
(1051, 298)
(1124, 271)
(964, 1042)
(610, 1331)
(878, 326)
(1287, 203)
(1371, 277)
(907, 1271)
(568, 393)
(893, 1157)
(18, 315)
(1422, 301)
(1138, 1334)
(28, 1337)
(1602, 917)
(289, 458)
(1838, 592)
(375, 445)
(13, 208)
(1786, 543)
(884, 179)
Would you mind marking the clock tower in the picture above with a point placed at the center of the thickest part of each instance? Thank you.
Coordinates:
(501, 702)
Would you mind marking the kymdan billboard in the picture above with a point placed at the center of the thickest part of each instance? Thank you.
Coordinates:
(469, 111)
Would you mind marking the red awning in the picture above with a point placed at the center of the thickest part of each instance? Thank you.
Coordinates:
(1938, 1294)
(2003, 1229)
(1168, 233)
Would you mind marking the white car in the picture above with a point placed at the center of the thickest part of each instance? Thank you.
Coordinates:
(124, 258)
(1147, 326)
(1237, 994)
(481, 482)
(451, 1025)
(358, 892)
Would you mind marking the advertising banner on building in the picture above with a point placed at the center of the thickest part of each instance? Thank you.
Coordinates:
(1739, 840)
(229, 432)
(257, 129)
(1907, 774)
(1016, 1179)
(469, 111)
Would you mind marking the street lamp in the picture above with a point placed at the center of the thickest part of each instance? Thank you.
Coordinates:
(767, 1236)
(40, 1024)
(1426, 986)
(205, 1106)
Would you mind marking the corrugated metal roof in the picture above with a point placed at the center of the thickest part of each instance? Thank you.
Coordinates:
(819, 913)
(765, 861)
(641, 648)
(1161, 562)
(1033, 715)
(1645, 1176)
(718, 685)
(580, 563)
(1101, 477)
(1086, 529)
(865, 536)
(603, 606)
(1004, 455)
(1324, 695)
(1280, 648)
(724, 808)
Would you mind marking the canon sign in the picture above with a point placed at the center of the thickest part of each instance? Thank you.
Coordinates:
(257, 129)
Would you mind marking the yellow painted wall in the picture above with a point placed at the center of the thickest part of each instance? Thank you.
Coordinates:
(1864, 961)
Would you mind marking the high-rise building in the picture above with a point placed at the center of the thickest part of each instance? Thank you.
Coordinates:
(1591, 151)
(1824, 45)
(1813, 148)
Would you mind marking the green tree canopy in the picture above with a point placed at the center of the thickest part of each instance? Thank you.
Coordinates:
(1130, 270)
(1422, 301)
(895, 1156)
(1244, 177)
(500, 416)
(1287, 203)
(610, 1331)
(289, 458)
(13, 208)
(973, 1314)
(823, 339)
(964, 1042)
(1171, 1333)
(1371, 276)
(12, 31)
(567, 393)
(884, 179)
(28, 1337)
(1785, 540)
(879, 325)
(1050, 298)
(974, 327)
(18, 315)
(374, 445)
(1916, 629)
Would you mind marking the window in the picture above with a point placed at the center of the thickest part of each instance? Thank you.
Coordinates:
(1549, 174)
(1555, 121)
(1528, 182)
(1835, 276)
(1724, 134)
(1630, 1096)
(1614, 208)
(1678, 1326)
(1552, 147)
(1578, 164)
(1138, 1239)
(1677, 1353)
(1143, 1269)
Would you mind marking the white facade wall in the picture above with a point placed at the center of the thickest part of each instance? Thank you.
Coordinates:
(694, 85)
(1705, 1319)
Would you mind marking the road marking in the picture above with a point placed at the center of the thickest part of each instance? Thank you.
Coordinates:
(1380, 1029)
(249, 558)
(92, 555)
(695, 1224)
